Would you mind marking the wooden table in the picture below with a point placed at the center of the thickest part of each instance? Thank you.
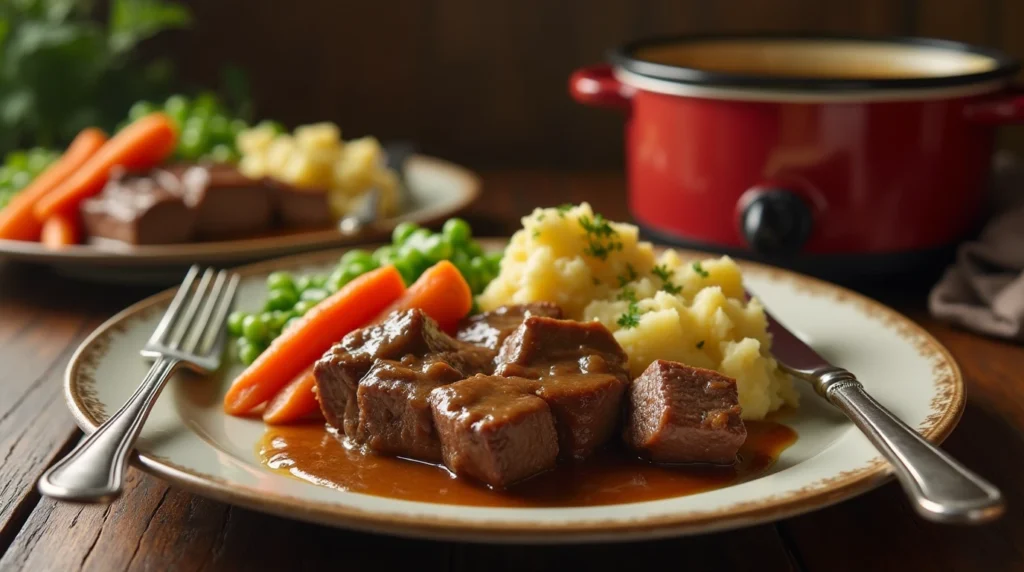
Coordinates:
(43, 318)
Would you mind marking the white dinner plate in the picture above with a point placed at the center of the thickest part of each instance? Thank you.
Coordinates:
(438, 190)
(190, 442)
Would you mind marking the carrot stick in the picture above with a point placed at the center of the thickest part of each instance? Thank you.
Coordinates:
(141, 145)
(293, 403)
(60, 230)
(441, 292)
(17, 221)
(303, 343)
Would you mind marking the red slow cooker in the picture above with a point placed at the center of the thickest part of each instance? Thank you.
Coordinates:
(834, 155)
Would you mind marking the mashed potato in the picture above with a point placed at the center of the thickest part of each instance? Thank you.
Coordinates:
(685, 311)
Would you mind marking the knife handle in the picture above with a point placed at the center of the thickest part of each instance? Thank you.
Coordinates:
(942, 489)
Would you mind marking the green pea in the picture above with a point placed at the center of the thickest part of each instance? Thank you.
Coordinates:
(318, 280)
(414, 257)
(494, 260)
(473, 248)
(141, 109)
(195, 139)
(253, 329)
(359, 268)
(291, 322)
(436, 248)
(220, 128)
(314, 295)
(278, 318)
(416, 238)
(6, 173)
(302, 307)
(247, 351)
(17, 160)
(280, 280)
(457, 230)
(222, 153)
(382, 254)
(20, 180)
(282, 299)
(177, 107)
(303, 283)
(238, 126)
(274, 126)
(402, 232)
(38, 160)
(337, 279)
(356, 255)
(409, 272)
(235, 323)
(205, 105)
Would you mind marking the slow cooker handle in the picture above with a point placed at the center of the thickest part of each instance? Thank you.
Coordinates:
(1006, 107)
(597, 86)
(774, 221)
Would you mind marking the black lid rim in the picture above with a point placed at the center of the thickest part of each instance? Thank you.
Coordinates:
(621, 57)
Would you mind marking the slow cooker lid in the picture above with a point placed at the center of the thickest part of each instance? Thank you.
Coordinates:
(812, 63)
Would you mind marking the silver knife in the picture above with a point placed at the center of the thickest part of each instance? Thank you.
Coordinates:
(941, 489)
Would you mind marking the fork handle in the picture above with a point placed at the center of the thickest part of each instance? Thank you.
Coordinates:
(942, 489)
(94, 470)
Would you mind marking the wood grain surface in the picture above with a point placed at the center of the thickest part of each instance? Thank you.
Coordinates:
(154, 527)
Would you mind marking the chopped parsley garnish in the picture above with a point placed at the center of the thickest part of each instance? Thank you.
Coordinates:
(662, 271)
(627, 294)
(631, 318)
(671, 288)
(536, 234)
(700, 344)
(628, 277)
(562, 209)
(700, 270)
(540, 217)
(600, 236)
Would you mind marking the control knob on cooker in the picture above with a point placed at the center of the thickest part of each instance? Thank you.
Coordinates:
(775, 222)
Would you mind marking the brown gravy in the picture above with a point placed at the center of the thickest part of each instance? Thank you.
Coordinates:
(311, 453)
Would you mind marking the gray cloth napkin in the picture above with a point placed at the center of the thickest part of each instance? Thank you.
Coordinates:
(983, 290)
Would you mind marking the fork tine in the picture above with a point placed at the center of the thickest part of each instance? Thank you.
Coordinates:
(215, 329)
(182, 326)
(199, 326)
(171, 314)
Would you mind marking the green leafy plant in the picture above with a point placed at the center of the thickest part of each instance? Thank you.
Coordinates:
(64, 67)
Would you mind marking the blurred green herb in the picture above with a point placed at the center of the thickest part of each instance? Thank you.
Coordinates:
(64, 66)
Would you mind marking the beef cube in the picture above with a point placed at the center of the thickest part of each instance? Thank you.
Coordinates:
(493, 429)
(139, 209)
(582, 373)
(682, 414)
(587, 409)
(489, 329)
(410, 337)
(543, 347)
(394, 414)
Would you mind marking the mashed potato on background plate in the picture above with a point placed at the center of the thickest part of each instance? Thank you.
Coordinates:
(693, 312)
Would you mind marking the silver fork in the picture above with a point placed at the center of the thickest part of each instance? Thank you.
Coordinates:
(190, 335)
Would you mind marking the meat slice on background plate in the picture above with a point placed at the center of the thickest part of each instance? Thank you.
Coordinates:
(682, 414)
(583, 376)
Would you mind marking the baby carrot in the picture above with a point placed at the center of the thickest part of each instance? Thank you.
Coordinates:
(17, 219)
(60, 230)
(303, 343)
(441, 292)
(141, 145)
(293, 403)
